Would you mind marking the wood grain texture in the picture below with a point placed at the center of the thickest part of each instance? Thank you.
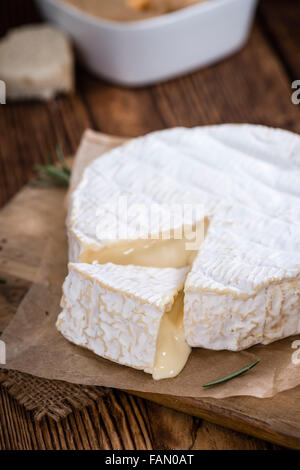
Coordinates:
(119, 422)
(253, 86)
(275, 419)
(14, 13)
(281, 23)
(28, 133)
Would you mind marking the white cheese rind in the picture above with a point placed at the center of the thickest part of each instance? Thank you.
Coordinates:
(244, 285)
(116, 311)
(222, 321)
(232, 164)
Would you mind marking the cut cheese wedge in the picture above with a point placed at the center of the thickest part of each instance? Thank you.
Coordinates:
(241, 292)
(128, 314)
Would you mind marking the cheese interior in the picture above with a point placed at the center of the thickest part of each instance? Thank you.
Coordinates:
(172, 350)
(150, 253)
(167, 250)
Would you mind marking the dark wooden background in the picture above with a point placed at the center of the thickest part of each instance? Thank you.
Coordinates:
(252, 86)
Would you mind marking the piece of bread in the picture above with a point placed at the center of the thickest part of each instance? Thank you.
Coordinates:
(36, 62)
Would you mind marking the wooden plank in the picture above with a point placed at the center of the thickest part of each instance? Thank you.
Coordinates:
(120, 111)
(170, 433)
(251, 86)
(229, 91)
(28, 133)
(281, 21)
(275, 420)
(121, 422)
(17, 12)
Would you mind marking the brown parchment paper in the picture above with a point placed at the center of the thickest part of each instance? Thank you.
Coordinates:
(35, 347)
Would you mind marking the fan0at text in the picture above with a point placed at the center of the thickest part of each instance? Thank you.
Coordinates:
(151, 459)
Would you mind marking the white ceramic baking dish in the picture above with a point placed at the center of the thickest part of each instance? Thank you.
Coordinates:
(155, 49)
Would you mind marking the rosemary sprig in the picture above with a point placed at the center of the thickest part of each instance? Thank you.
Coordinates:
(57, 175)
(231, 376)
(2, 281)
(61, 158)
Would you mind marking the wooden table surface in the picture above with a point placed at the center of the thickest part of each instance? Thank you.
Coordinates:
(252, 86)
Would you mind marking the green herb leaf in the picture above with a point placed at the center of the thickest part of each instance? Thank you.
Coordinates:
(61, 158)
(55, 174)
(52, 174)
(232, 376)
(2, 281)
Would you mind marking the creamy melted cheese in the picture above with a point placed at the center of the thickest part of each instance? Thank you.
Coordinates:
(149, 253)
(172, 350)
